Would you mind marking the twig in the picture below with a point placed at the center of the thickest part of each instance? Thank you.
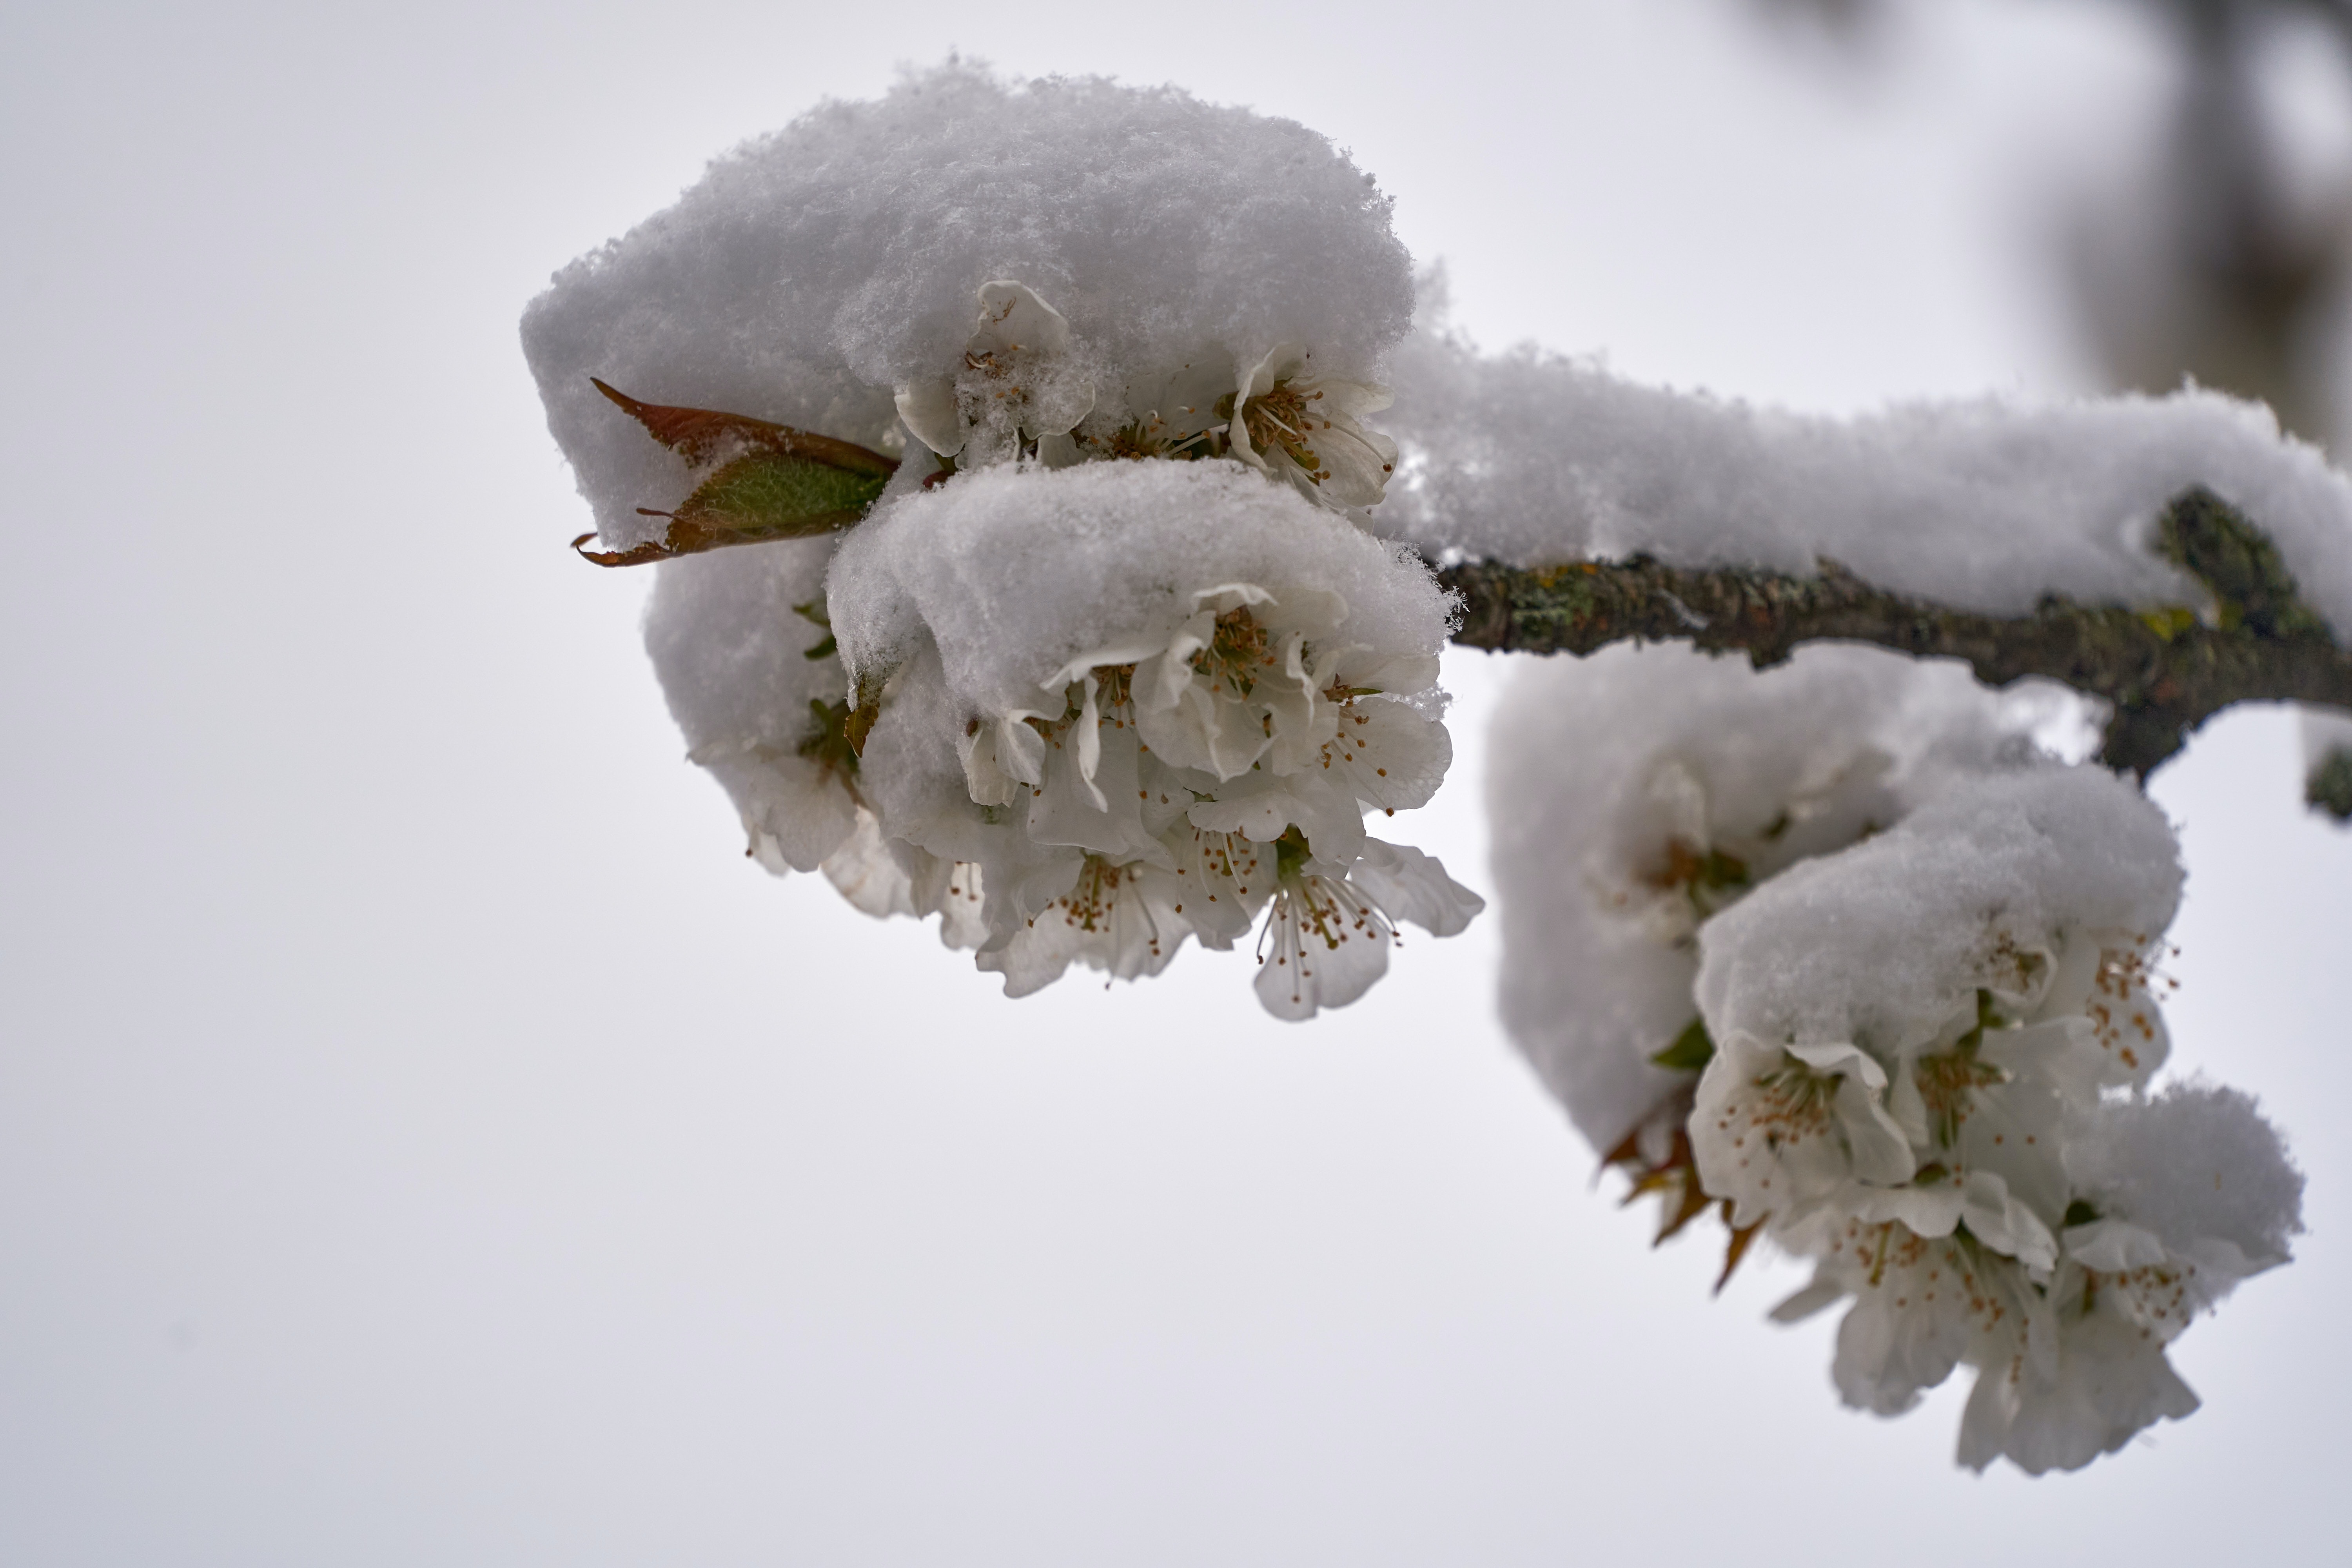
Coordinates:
(2164, 671)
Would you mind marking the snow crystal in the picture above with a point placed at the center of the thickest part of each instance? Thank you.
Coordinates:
(1884, 944)
(1612, 781)
(813, 273)
(1533, 459)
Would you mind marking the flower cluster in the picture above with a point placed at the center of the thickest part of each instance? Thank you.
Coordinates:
(1129, 703)
(1015, 563)
(1945, 1113)
(1929, 1020)
(1083, 715)
(1639, 791)
(1025, 388)
(1094, 650)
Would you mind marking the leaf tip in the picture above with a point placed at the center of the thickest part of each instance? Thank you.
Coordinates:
(617, 557)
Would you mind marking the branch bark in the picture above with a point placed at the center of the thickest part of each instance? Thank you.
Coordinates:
(2163, 671)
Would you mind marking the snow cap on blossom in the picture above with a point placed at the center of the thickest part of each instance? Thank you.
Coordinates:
(1013, 576)
(1902, 1028)
(2197, 1168)
(1152, 249)
(1149, 701)
(1637, 791)
(2014, 882)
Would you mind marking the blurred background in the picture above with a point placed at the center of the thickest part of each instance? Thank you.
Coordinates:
(425, 1138)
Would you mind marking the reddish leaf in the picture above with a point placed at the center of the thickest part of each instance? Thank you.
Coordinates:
(701, 434)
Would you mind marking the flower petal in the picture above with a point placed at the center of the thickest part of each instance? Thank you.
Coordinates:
(928, 408)
(1412, 886)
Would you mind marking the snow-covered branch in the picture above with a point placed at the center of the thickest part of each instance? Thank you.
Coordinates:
(2162, 670)
(1043, 553)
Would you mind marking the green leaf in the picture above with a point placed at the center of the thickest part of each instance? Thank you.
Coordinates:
(828, 743)
(779, 497)
(1692, 1049)
(813, 613)
(1720, 870)
(760, 496)
(859, 724)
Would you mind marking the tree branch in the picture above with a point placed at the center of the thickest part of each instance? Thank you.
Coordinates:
(2164, 671)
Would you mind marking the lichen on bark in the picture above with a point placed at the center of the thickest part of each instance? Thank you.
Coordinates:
(2330, 786)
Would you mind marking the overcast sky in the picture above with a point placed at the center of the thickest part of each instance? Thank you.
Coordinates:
(423, 1138)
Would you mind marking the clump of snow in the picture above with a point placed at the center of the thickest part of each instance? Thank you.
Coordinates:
(2195, 1163)
(1534, 458)
(1636, 792)
(813, 274)
(1880, 945)
(1013, 574)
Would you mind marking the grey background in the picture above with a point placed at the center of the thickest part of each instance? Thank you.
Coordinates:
(423, 1138)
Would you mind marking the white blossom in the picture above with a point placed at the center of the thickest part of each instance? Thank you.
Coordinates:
(1116, 917)
(1210, 698)
(2056, 1235)
(2085, 1384)
(1778, 1129)
(1992, 1099)
(1302, 426)
(1018, 386)
(1329, 931)
(1410, 886)
(1326, 941)
(1923, 1304)
(2108, 979)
